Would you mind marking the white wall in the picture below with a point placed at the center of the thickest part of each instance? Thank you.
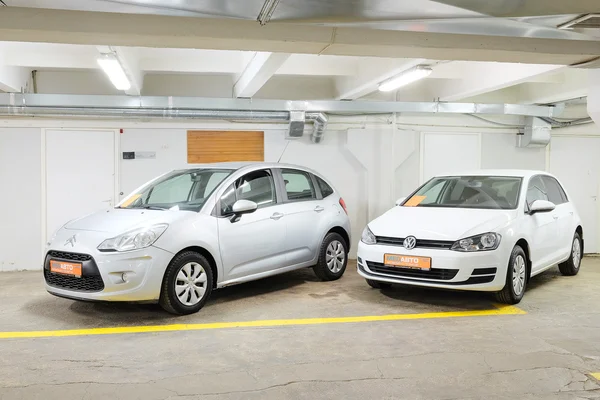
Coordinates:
(20, 199)
(367, 160)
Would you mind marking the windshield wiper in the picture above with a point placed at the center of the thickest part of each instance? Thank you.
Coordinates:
(148, 207)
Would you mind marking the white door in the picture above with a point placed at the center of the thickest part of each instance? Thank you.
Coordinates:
(80, 174)
(302, 213)
(254, 243)
(544, 249)
(575, 161)
(443, 153)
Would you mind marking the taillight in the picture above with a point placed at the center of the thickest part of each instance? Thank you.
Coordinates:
(343, 204)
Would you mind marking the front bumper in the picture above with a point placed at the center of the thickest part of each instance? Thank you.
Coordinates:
(102, 274)
(481, 271)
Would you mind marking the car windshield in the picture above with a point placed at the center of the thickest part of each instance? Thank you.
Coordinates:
(178, 190)
(487, 192)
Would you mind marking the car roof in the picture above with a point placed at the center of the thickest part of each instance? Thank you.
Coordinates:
(520, 173)
(247, 165)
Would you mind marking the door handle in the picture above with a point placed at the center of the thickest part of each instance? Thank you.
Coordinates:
(319, 208)
(276, 215)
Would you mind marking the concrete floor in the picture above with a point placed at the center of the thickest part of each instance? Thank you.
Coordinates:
(546, 354)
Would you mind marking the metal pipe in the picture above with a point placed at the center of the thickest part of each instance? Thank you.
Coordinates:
(233, 104)
(91, 106)
(319, 126)
(106, 112)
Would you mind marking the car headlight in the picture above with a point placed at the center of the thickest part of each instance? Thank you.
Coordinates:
(134, 240)
(368, 237)
(483, 242)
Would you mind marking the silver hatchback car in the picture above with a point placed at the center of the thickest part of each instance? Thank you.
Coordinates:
(176, 238)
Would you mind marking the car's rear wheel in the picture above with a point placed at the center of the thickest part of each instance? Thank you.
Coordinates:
(516, 278)
(333, 258)
(187, 284)
(571, 266)
(378, 284)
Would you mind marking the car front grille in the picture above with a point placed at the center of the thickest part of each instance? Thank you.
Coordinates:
(90, 280)
(69, 256)
(437, 274)
(421, 243)
(92, 283)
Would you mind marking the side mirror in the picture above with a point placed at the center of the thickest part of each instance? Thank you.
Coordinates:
(541, 206)
(400, 200)
(242, 207)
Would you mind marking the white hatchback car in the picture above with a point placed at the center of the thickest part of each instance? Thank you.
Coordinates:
(486, 231)
(186, 232)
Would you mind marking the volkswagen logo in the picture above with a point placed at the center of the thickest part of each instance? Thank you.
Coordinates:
(72, 240)
(409, 243)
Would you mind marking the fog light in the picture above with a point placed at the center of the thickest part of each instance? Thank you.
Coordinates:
(125, 277)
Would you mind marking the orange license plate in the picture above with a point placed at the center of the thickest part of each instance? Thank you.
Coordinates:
(403, 261)
(67, 268)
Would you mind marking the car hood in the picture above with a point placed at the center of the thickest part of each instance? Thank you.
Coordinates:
(436, 223)
(117, 221)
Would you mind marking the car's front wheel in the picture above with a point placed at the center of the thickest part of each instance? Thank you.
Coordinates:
(571, 266)
(516, 278)
(187, 284)
(333, 258)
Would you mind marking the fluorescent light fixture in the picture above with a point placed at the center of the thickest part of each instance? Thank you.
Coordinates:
(405, 78)
(112, 67)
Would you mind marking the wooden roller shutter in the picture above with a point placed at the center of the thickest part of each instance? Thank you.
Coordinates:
(223, 146)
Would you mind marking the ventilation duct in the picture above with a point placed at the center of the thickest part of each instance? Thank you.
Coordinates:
(536, 133)
(145, 107)
(319, 125)
(297, 120)
(587, 21)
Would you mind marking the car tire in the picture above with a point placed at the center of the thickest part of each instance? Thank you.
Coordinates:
(516, 278)
(378, 284)
(333, 258)
(187, 284)
(571, 266)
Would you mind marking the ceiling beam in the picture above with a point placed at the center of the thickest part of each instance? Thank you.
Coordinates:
(258, 71)
(81, 27)
(480, 78)
(370, 74)
(13, 79)
(574, 85)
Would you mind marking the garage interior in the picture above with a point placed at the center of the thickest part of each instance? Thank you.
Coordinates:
(508, 84)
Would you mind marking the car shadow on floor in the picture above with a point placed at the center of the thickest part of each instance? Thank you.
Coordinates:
(432, 300)
(83, 315)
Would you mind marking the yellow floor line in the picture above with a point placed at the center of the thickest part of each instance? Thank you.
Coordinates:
(499, 310)
(596, 375)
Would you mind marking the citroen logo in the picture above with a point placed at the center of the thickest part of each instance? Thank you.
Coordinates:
(409, 243)
(72, 240)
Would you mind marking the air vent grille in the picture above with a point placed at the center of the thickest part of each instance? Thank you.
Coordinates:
(588, 21)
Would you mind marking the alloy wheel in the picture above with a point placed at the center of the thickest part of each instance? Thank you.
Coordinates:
(519, 274)
(576, 253)
(190, 284)
(335, 256)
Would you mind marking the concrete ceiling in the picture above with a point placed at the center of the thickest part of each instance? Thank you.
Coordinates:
(325, 48)
(509, 31)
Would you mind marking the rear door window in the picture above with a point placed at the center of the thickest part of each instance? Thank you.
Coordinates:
(298, 185)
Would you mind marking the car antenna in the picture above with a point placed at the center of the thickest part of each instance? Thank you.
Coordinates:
(281, 156)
